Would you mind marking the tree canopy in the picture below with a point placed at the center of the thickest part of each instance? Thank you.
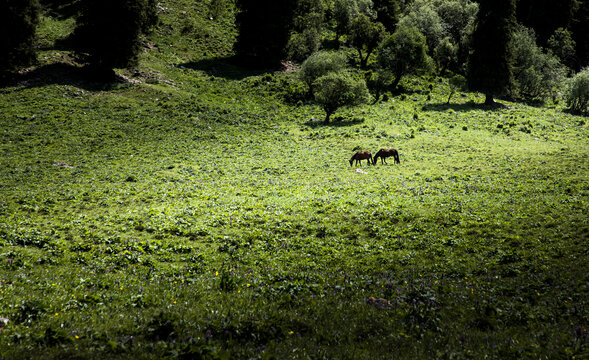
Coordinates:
(403, 52)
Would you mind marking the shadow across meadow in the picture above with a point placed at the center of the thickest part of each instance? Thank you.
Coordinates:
(229, 68)
(464, 107)
(67, 74)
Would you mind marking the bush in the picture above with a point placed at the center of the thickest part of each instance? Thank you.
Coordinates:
(302, 44)
(335, 90)
(578, 91)
(321, 63)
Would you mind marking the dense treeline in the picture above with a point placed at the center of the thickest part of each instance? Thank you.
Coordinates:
(519, 48)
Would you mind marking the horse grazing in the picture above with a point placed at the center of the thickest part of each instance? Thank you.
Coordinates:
(385, 153)
(359, 156)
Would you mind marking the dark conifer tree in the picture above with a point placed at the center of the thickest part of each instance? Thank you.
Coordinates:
(264, 30)
(107, 34)
(580, 30)
(490, 62)
(18, 22)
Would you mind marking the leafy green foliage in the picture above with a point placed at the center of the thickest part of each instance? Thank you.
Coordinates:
(445, 54)
(447, 26)
(562, 45)
(537, 74)
(403, 52)
(321, 63)
(337, 89)
(365, 36)
(346, 11)
(577, 94)
(387, 13)
(309, 22)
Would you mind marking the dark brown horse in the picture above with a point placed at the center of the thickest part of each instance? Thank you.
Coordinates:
(359, 156)
(385, 153)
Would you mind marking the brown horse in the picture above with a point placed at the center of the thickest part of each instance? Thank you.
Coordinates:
(385, 153)
(359, 156)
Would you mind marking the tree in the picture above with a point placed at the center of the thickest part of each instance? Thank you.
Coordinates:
(578, 91)
(424, 17)
(338, 89)
(445, 54)
(402, 52)
(378, 81)
(456, 82)
(562, 45)
(490, 63)
(345, 11)
(319, 64)
(365, 36)
(308, 23)
(264, 30)
(537, 74)
(107, 33)
(387, 13)
(580, 29)
(444, 23)
(18, 22)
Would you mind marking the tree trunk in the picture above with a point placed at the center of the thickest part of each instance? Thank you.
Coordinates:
(449, 97)
(489, 99)
(327, 116)
(395, 83)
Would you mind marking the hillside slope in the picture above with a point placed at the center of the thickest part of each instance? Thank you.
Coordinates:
(195, 210)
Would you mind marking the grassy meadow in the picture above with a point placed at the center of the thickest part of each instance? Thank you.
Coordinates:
(194, 210)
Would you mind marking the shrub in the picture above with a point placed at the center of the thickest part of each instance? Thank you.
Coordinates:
(578, 91)
(321, 63)
(335, 90)
(302, 44)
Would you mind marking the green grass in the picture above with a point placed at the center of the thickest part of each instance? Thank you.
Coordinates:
(198, 213)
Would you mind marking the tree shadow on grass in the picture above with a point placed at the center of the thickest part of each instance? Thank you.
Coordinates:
(67, 74)
(228, 68)
(335, 123)
(469, 106)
